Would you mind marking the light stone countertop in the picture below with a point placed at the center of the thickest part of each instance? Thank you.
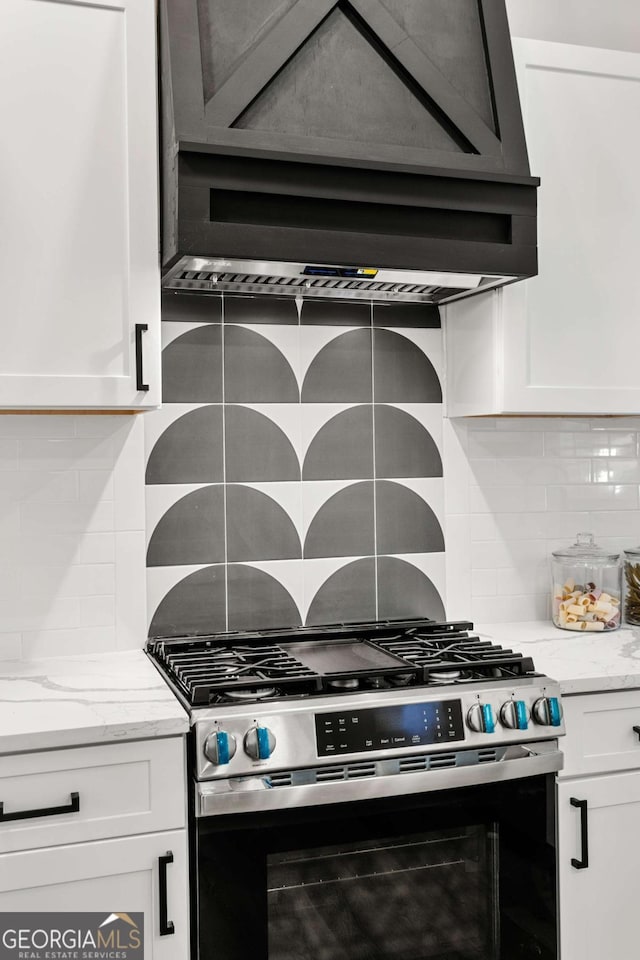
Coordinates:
(581, 663)
(73, 701)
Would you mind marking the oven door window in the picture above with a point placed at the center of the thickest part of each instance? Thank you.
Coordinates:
(425, 895)
(466, 874)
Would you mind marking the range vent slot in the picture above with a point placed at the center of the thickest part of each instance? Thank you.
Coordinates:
(412, 763)
(330, 773)
(487, 756)
(281, 779)
(356, 770)
(444, 760)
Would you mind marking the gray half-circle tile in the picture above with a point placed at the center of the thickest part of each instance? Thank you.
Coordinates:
(190, 450)
(404, 448)
(191, 307)
(343, 448)
(335, 313)
(195, 606)
(404, 591)
(341, 371)
(349, 595)
(258, 601)
(405, 523)
(255, 370)
(266, 309)
(344, 525)
(192, 366)
(402, 372)
(191, 531)
(258, 528)
(256, 448)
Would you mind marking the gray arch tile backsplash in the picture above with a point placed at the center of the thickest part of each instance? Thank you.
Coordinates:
(278, 492)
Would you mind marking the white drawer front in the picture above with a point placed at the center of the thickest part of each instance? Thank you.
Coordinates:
(122, 789)
(600, 736)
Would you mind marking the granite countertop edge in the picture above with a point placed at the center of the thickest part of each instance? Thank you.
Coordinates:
(581, 663)
(87, 699)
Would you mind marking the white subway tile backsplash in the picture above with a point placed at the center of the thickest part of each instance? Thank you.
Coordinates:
(97, 611)
(490, 499)
(11, 646)
(8, 454)
(594, 496)
(22, 425)
(603, 443)
(615, 470)
(510, 609)
(589, 477)
(76, 518)
(46, 486)
(503, 443)
(65, 454)
(68, 486)
(484, 583)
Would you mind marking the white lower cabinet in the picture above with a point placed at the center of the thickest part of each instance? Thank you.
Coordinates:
(598, 805)
(598, 904)
(126, 875)
(100, 829)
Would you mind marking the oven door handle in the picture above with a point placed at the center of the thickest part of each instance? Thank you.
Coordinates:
(246, 794)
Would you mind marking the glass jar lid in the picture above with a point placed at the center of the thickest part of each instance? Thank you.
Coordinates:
(585, 549)
(632, 552)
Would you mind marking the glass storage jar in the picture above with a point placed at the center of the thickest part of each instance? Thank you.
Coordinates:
(587, 586)
(631, 601)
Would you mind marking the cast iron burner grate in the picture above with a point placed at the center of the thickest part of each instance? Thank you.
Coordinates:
(333, 659)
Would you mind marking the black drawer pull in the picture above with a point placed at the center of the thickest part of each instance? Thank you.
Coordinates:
(140, 329)
(166, 926)
(637, 730)
(583, 863)
(71, 807)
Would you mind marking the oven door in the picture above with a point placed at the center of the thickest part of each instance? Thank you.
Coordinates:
(457, 874)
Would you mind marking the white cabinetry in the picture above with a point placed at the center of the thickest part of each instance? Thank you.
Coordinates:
(79, 264)
(99, 829)
(566, 341)
(598, 902)
(111, 876)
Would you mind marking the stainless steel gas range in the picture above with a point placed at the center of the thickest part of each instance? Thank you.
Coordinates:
(347, 775)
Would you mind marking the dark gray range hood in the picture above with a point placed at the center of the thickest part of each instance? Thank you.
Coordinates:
(370, 148)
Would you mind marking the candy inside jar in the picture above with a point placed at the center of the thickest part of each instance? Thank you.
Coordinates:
(587, 586)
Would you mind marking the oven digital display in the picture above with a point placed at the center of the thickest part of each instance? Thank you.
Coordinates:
(385, 728)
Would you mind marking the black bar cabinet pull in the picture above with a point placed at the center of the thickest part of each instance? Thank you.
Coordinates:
(166, 926)
(140, 329)
(72, 807)
(583, 863)
(637, 730)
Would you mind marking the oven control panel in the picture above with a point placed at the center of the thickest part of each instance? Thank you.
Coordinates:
(385, 728)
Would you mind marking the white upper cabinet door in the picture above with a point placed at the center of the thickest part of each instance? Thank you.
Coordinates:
(568, 340)
(79, 264)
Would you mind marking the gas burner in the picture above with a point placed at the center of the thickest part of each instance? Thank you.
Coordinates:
(352, 683)
(445, 676)
(247, 694)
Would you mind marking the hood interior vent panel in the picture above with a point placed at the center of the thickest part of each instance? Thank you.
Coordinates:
(218, 276)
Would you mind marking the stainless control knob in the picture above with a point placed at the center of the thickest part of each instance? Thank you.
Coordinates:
(219, 747)
(259, 743)
(515, 715)
(480, 718)
(547, 711)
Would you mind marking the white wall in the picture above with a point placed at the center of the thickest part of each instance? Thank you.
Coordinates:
(515, 489)
(72, 552)
(614, 24)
